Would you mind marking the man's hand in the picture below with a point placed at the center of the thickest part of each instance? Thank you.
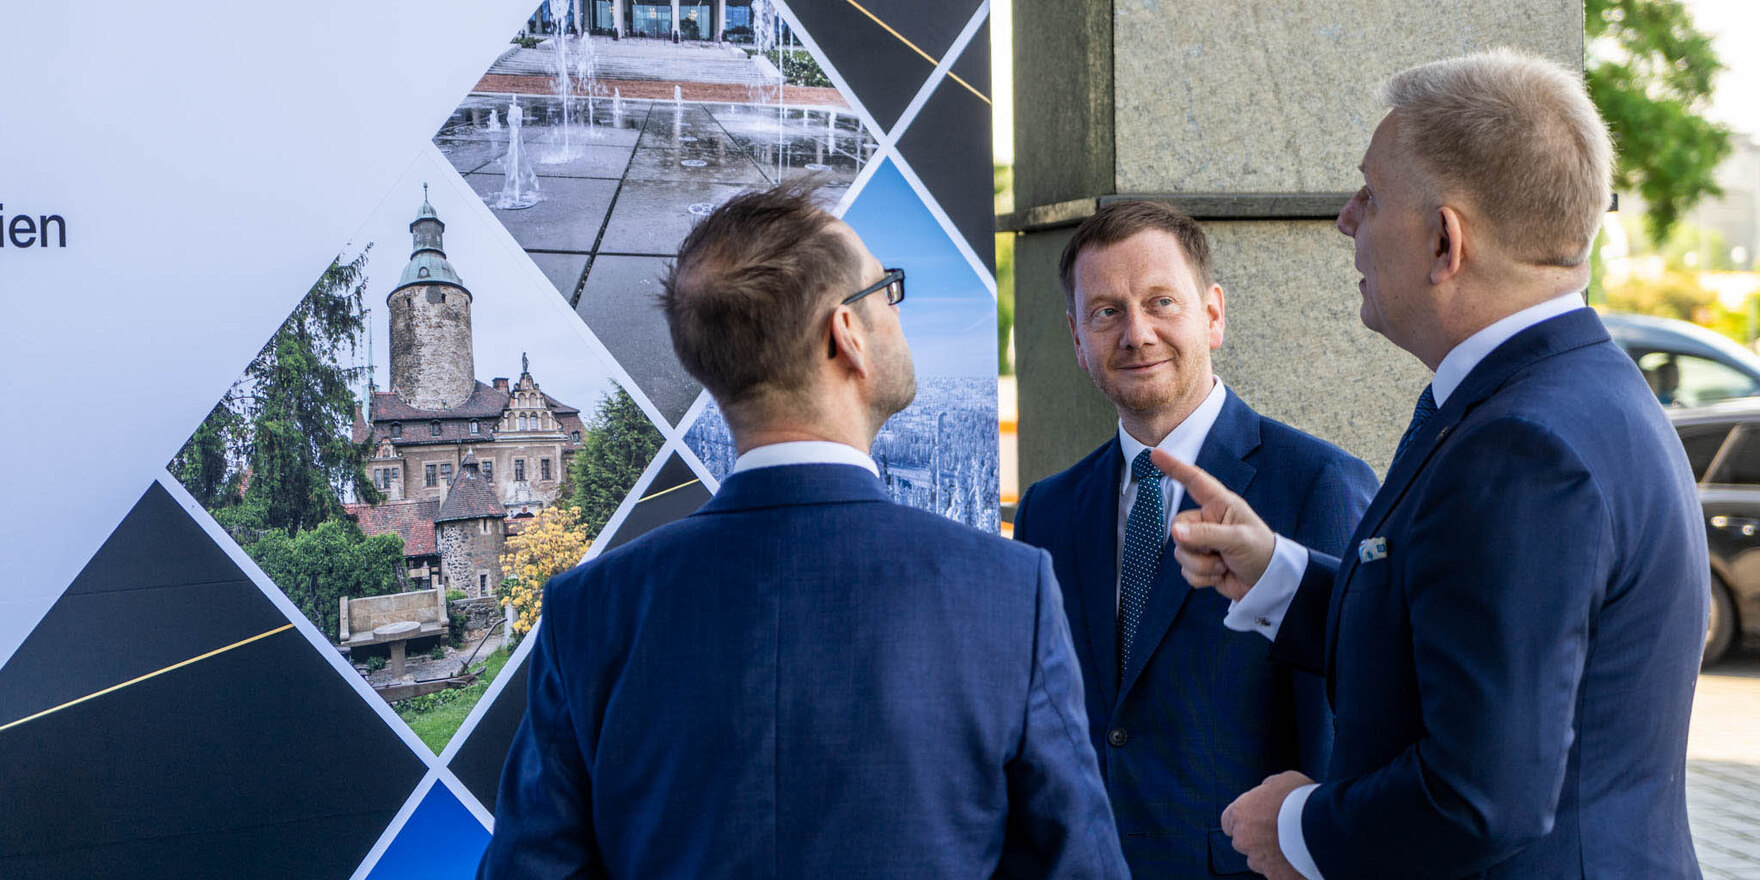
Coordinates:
(1251, 824)
(1222, 544)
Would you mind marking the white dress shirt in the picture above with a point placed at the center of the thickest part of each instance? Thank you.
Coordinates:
(804, 452)
(1262, 609)
(1183, 443)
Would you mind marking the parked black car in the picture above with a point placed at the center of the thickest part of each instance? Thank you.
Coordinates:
(1723, 445)
(1685, 364)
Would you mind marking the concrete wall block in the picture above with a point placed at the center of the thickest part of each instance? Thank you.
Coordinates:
(1280, 95)
(1295, 348)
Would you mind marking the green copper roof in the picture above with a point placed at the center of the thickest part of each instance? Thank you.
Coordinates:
(428, 267)
(427, 263)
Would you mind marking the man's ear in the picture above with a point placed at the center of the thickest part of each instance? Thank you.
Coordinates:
(1215, 305)
(1448, 243)
(848, 340)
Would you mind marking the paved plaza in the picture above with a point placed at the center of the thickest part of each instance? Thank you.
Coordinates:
(620, 185)
(1723, 769)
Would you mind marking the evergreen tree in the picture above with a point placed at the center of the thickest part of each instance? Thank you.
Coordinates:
(1650, 73)
(204, 464)
(288, 422)
(617, 446)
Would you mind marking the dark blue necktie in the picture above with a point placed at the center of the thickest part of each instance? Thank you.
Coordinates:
(1420, 414)
(1144, 533)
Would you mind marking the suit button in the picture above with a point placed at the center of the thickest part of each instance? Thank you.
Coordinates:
(1117, 737)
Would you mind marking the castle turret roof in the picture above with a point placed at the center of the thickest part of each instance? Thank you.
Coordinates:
(470, 498)
(427, 259)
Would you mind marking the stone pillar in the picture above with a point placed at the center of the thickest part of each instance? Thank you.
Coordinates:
(617, 16)
(1252, 117)
(675, 22)
(720, 28)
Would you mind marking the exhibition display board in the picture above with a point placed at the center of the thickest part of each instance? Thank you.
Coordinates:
(342, 326)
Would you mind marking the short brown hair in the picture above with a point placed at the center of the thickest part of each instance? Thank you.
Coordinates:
(1117, 221)
(748, 289)
(1518, 139)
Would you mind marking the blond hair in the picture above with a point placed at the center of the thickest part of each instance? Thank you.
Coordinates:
(1517, 138)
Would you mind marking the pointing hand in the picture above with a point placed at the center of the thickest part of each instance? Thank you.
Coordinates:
(1222, 544)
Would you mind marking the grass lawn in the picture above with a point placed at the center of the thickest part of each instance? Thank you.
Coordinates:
(436, 717)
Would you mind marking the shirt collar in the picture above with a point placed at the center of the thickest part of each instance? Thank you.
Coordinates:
(804, 452)
(1185, 440)
(1464, 357)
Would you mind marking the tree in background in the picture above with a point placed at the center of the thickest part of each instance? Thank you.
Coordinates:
(616, 447)
(301, 408)
(280, 446)
(318, 566)
(204, 464)
(1002, 191)
(551, 542)
(1650, 73)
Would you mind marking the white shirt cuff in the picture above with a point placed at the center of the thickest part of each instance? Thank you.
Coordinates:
(1289, 833)
(1261, 610)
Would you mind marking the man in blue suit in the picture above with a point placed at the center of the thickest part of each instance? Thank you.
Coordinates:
(802, 679)
(1512, 637)
(1185, 712)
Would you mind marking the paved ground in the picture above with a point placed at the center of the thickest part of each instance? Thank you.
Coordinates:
(1723, 769)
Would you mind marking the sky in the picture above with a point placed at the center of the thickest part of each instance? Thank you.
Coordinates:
(948, 314)
(1734, 26)
(514, 308)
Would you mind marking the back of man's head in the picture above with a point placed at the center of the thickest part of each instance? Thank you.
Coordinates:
(1517, 139)
(748, 293)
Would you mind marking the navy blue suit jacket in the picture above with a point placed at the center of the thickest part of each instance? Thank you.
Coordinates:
(1512, 679)
(1203, 714)
(804, 679)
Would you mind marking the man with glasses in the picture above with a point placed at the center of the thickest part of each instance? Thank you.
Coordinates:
(1183, 710)
(802, 679)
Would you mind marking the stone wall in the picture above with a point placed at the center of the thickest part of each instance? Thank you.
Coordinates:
(366, 614)
(479, 613)
(467, 552)
(432, 365)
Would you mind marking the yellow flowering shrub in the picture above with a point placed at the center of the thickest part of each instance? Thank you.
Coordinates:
(551, 543)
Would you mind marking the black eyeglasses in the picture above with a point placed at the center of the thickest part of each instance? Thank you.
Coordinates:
(892, 282)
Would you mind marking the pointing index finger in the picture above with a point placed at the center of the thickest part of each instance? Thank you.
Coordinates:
(1204, 489)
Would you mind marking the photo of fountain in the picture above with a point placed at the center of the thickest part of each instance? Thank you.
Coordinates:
(598, 154)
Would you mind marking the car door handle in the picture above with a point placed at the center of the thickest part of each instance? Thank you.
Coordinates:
(1746, 526)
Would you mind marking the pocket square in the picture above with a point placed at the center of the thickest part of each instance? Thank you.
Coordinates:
(1372, 549)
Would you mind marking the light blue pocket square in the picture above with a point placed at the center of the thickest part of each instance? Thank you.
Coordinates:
(1372, 549)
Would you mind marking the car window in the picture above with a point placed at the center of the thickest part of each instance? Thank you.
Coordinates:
(1702, 443)
(1688, 380)
(1741, 465)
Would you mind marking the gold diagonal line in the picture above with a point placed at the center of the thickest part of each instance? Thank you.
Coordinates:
(913, 47)
(650, 497)
(138, 679)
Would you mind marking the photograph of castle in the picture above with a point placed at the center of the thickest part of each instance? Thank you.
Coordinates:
(426, 439)
(597, 139)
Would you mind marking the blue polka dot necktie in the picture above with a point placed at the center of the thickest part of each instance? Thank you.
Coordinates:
(1420, 414)
(1144, 534)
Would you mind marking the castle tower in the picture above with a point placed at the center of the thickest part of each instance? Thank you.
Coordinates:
(469, 532)
(432, 366)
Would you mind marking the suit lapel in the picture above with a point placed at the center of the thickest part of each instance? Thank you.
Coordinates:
(1231, 439)
(1095, 523)
(1570, 330)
